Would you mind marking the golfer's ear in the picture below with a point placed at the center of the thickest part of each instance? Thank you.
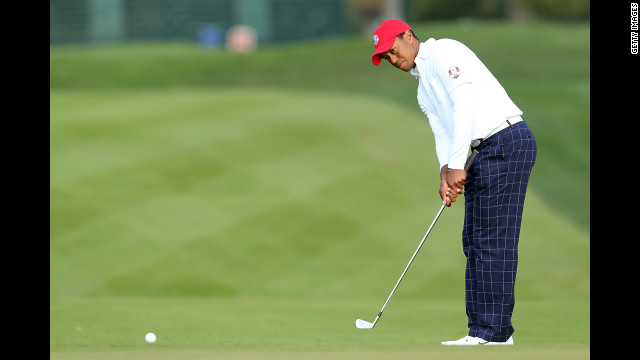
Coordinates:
(407, 35)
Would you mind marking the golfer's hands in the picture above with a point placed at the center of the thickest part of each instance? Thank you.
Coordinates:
(451, 184)
(456, 179)
(446, 193)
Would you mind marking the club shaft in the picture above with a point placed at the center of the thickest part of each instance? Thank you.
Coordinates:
(466, 167)
(410, 261)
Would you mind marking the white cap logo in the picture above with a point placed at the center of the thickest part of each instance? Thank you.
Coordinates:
(375, 40)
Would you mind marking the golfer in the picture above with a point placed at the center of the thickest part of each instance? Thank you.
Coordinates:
(468, 108)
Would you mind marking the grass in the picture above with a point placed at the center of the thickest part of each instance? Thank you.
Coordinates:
(268, 327)
(544, 67)
(248, 220)
(252, 225)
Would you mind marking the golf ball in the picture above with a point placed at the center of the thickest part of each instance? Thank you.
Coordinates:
(150, 338)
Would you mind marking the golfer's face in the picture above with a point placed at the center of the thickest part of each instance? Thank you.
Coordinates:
(401, 54)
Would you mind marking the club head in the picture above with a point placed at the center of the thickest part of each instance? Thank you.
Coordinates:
(361, 324)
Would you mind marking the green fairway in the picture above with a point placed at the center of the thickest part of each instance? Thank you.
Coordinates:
(289, 328)
(260, 221)
(544, 67)
(284, 215)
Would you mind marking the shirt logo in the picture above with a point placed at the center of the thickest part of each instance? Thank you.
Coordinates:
(375, 40)
(454, 72)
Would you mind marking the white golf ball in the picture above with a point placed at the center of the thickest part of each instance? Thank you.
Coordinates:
(150, 338)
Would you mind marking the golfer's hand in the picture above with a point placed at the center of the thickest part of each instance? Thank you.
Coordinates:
(456, 179)
(447, 194)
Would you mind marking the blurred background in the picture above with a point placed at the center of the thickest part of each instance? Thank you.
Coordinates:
(248, 153)
(276, 21)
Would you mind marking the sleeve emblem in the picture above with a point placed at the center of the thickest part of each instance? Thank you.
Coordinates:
(454, 72)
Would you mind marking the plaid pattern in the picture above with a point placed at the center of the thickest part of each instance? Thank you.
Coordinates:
(494, 198)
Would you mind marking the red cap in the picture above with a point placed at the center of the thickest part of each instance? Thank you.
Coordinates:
(385, 36)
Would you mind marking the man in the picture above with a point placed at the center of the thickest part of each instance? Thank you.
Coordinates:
(467, 107)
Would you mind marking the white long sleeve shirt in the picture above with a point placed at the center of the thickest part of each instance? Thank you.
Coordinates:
(460, 96)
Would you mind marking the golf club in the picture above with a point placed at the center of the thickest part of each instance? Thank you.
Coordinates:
(365, 325)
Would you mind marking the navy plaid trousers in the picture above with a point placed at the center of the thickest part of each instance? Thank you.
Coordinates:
(494, 198)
